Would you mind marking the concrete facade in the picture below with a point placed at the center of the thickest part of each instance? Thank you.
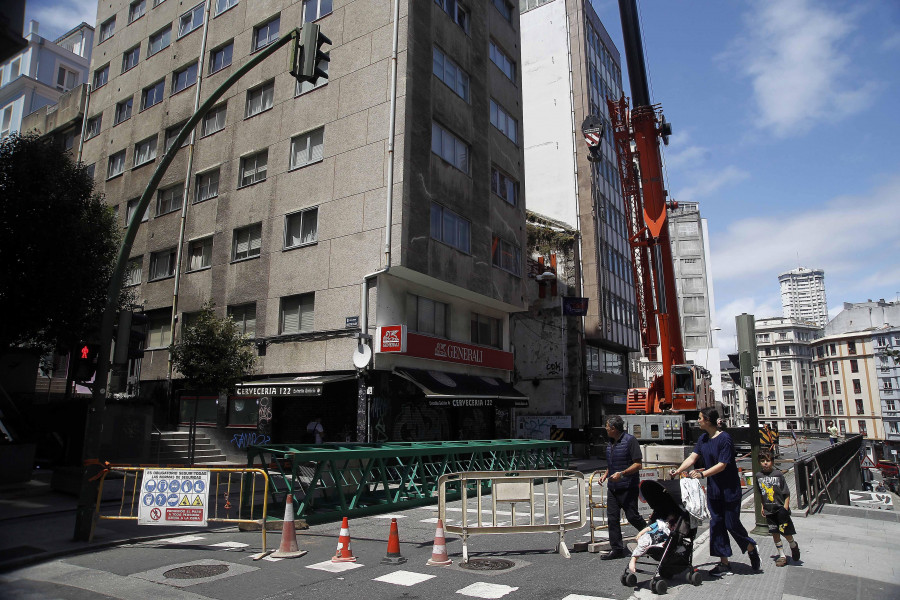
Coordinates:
(300, 297)
(571, 67)
(803, 295)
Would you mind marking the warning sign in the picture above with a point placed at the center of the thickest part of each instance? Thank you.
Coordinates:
(866, 462)
(174, 497)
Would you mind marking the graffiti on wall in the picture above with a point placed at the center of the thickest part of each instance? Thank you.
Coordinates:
(380, 407)
(250, 438)
(537, 427)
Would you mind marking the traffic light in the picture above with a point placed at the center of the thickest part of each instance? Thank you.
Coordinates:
(308, 53)
(84, 361)
(735, 375)
(131, 331)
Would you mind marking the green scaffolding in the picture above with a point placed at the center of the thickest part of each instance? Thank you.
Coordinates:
(351, 480)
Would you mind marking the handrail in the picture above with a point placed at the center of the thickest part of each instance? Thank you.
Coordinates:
(817, 473)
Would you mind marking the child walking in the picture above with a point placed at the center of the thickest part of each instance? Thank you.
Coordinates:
(776, 507)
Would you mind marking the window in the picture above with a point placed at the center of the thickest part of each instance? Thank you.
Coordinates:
(220, 57)
(245, 317)
(506, 65)
(7, 120)
(133, 271)
(131, 207)
(854, 365)
(101, 76)
(456, 11)
(307, 148)
(116, 165)
(834, 367)
(223, 5)
(504, 186)
(247, 242)
(260, 98)
(297, 313)
(833, 349)
(159, 328)
(253, 168)
(200, 254)
(786, 365)
(92, 128)
(506, 256)
(842, 425)
(301, 87)
(449, 227)
(837, 387)
(502, 121)
(862, 427)
(770, 381)
(159, 41)
(191, 20)
(788, 394)
(505, 8)
(162, 264)
(449, 147)
(169, 199)
(425, 315)
(130, 58)
(857, 387)
(787, 380)
(265, 34)
(123, 111)
(153, 94)
(889, 405)
(887, 384)
(172, 133)
(213, 121)
(315, 9)
(824, 388)
(826, 407)
(145, 151)
(107, 29)
(859, 407)
(790, 411)
(486, 330)
(851, 347)
(184, 78)
(157, 3)
(136, 10)
(301, 228)
(66, 79)
(450, 73)
(207, 186)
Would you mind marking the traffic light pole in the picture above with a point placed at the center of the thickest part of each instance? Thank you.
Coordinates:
(747, 382)
(85, 515)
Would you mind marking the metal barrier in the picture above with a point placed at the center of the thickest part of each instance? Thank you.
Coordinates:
(513, 488)
(235, 495)
(351, 480)
(819, 474)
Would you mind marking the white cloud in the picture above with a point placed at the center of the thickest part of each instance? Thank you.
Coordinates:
(707, 183)
(760, 309)
(58, 17)
(794, 51)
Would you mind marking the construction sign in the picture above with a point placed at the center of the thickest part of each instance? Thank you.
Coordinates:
(866, 462)
(174, 497)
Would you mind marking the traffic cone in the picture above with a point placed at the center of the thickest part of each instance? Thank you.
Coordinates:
(288, 548)
(343, 554)
(439, 553)
(743, 478)
(393, 550)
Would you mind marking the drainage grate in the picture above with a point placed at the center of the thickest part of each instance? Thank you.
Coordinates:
(195, 571)
(487, 564)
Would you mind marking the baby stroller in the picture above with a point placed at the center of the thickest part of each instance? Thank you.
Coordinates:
(675, 556)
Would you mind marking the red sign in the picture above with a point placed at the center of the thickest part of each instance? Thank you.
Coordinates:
(424, 346)
(392, 338)
(184, 514)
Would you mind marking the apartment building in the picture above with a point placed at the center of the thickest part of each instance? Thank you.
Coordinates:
(886, 341)
(571, 67)
(803, 295)
(785, 383)
(310, 222)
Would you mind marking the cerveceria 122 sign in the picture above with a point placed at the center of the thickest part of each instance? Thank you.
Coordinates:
(395, 338)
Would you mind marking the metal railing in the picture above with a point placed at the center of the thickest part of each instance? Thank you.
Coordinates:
(350, 480)
(818, 476)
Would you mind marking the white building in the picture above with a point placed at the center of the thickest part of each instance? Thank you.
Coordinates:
(886, 342)
(36, 76)
(803, 295)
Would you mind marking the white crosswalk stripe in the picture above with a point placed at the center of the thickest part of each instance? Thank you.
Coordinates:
(481, 589)
(182, 539)
(406, 578)
(334, 567)
(229, 545)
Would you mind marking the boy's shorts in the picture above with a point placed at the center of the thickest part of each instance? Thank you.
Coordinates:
(780, 522)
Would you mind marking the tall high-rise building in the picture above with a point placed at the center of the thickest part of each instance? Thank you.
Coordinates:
(570, 67)
(309, 221)
(803, 295)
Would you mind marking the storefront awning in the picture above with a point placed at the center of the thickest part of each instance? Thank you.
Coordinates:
(452, 389)
(304, 385)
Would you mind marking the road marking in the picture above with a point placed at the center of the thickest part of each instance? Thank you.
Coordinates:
(407, 578)
(581, 597)
(183, 539)
(431, 520)
(486, 590)
(229, 545)
(334, 567)
(389, 516)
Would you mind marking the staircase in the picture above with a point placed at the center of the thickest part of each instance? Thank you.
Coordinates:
(173, 447)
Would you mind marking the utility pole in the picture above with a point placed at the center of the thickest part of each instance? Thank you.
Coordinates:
(746, 332)
(85, 516)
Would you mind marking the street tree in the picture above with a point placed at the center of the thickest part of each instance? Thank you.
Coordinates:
(58, 243)
(213, 355)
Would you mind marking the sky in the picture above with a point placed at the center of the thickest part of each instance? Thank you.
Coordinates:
(785, 129)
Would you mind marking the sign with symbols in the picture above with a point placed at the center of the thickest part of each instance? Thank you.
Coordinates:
(174, 497)
(866, 462)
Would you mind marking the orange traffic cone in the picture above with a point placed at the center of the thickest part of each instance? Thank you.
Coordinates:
(393, 550)
(741, 475)
(343, 554)
(439, 553)
(288, 548)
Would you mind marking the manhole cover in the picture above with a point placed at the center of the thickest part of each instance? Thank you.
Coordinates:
(195, 571)
(487, 564)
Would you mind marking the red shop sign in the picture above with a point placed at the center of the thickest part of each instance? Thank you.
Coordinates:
(424, 346)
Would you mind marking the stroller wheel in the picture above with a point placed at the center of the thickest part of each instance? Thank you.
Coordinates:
(624, 578)
(658, 586)
(695, 578)
(630, 579)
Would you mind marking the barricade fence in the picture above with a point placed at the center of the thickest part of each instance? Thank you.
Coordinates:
(223, 495)
(548, 501)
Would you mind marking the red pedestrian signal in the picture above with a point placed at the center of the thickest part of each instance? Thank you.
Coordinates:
(84, 362)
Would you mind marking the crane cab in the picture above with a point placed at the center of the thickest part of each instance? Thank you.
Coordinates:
(692, 391)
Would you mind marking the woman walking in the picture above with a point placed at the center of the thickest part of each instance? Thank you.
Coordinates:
(723, 492)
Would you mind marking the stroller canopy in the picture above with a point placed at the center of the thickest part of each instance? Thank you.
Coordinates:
(663, 496)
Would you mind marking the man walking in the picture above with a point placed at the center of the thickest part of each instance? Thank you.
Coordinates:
(623, 462)
(833, 433)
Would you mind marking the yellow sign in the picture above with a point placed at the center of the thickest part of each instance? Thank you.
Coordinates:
(184, 501)
(197, 501)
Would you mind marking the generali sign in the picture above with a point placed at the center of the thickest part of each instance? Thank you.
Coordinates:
(395, 338)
